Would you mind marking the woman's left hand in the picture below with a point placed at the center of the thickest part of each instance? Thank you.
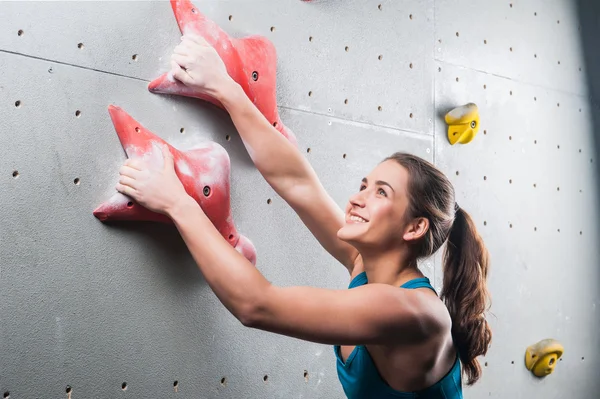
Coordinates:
(155, 187)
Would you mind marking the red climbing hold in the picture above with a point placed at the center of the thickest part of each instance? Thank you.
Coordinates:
(250, 61)
(203, 171)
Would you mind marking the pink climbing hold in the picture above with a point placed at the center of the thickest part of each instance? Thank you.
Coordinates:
(203, 170)
(250, 61)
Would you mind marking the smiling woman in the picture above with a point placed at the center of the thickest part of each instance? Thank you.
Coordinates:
(391, 334)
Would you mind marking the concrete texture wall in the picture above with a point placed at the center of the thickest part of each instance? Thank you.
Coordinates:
(89, 310)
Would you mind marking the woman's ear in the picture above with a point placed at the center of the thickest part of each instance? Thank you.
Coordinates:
(416, 229)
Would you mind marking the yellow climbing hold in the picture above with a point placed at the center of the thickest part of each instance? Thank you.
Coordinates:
(463, 123)
(541, 358)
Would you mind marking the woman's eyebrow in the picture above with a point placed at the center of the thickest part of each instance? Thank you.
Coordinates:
(380, 183)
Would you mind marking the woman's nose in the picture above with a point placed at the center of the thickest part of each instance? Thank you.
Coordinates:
(358, 199)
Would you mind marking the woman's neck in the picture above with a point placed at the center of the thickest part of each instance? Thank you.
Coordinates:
(393, 268)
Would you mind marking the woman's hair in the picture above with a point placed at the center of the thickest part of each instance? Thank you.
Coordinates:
(431, 196)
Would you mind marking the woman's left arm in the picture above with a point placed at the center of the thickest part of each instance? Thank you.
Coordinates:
(370, 314)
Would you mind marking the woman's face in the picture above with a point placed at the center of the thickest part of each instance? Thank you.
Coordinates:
(374, 215)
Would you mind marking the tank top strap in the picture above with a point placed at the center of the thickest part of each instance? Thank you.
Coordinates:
(422, 282)
(358, 280)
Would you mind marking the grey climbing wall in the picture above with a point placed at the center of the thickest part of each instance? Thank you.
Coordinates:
(89, 310)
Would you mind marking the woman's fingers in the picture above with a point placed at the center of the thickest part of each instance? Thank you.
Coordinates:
(183, 48)
(180, 75)
(126, 190)
(130, 171)
(134, 164)
(195, 39)
(127, 181)
(181, 60)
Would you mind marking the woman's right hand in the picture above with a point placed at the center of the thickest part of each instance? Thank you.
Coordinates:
(196, 64)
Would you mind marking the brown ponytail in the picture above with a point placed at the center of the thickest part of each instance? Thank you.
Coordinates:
(466, 261)
(465, 292)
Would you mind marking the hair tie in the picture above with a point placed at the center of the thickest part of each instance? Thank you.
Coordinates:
(456, 207)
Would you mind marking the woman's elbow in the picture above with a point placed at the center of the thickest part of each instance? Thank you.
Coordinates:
(256, 309)
(251, 314)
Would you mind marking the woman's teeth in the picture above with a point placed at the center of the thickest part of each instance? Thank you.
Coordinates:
(357, 219)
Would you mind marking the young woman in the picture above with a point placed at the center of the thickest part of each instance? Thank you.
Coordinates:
(392, 335)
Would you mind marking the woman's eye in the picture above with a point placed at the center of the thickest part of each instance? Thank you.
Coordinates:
(362, 187)
(382, 191)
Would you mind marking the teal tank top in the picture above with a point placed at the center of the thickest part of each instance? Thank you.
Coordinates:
(361, 380)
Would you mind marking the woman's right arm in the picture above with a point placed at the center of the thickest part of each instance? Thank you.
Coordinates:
(288, 172)
(197, 64)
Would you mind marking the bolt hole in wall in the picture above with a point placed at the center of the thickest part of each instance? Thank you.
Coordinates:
(80, 45)
(266, 378)
(18, 104)
(306, 375)
(15, 174)
(224, 381)
(77, 113)
(124, 386)
(6, 395)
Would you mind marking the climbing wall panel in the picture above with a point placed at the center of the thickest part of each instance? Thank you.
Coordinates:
(329, 58)
(528, 180)
(93, 310)
(91, 306)
(530, 41)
